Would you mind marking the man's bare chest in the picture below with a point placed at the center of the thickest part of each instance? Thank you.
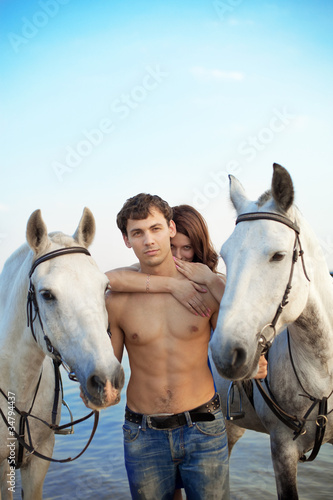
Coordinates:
(159, 317)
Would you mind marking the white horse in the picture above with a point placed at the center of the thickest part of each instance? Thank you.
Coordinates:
(69, 323)
(266, 269)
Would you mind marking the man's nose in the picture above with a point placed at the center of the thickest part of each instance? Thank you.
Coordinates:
(148, 239)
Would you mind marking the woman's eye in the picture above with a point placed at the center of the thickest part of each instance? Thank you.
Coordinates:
(108, 288)
(47, 295)
(278, 256)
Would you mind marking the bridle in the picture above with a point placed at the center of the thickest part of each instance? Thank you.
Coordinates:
(265, 343)
(293, 422)
(33, 305)
(32, 314)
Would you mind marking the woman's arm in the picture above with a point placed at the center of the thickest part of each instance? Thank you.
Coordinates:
(188, 293)
(201, 274)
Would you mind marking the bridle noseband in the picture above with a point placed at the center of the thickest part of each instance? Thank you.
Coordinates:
(297, 252)
(33, 305)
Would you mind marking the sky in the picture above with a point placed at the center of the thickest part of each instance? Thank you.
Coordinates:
(106, 99)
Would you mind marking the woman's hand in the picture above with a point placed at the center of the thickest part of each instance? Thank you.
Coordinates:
(190, 295)
(201, 274)
(194, 271)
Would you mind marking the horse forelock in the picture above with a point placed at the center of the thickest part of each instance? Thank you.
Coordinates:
(264, 198)
(267, 203)
(62, 239)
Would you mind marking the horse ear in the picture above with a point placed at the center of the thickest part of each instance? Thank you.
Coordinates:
(282, 188)
(36, 233)
(85, 231)
(237, 194)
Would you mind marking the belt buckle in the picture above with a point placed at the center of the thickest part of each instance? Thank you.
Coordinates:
(159, 419)
(150, 422)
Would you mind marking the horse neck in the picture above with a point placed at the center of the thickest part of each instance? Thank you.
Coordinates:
(21, 358)
(313, 330)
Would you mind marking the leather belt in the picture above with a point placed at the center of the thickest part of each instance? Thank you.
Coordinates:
(202, 413)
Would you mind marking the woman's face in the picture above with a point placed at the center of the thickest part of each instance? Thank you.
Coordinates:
(181, 247)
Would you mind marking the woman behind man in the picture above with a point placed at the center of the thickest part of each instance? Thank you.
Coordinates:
(192, 244)
(195, 258)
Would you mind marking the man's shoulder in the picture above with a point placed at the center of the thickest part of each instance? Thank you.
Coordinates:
(115, 299)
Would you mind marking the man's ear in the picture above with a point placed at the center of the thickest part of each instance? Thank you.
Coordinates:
(126, 240)
(172, 229)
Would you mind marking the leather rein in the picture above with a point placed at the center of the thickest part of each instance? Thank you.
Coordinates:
(293, 422)
(32, 314)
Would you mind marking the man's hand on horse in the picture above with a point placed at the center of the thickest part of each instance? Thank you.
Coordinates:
(262, 370)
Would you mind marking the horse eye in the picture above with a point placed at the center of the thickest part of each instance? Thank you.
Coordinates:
(108, 288)
(277, 257)
(47, 295)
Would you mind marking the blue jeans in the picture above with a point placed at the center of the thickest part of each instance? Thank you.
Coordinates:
(197, 452)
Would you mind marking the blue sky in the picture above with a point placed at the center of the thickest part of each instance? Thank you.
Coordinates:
(102, 100)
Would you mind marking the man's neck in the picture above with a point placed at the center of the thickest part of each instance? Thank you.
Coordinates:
(166, 268)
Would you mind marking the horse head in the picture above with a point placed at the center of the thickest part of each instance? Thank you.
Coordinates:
(267, 284)
(69, 318)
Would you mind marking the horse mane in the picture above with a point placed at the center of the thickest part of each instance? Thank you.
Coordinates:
(16, 259)
(266, 196)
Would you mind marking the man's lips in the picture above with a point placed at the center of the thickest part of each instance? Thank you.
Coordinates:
(151, 252)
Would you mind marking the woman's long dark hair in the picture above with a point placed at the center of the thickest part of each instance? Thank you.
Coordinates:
(191, 223)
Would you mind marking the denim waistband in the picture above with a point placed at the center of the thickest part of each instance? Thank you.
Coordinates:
(202, 413)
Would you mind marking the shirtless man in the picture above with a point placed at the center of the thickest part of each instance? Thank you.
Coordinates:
(174, 426)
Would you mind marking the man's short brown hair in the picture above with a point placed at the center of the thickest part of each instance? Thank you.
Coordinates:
(139, 207)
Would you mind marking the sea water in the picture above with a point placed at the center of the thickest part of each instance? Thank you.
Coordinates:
(100, 471)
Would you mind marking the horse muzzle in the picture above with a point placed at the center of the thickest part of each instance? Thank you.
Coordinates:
(236, 364)
(100, 392)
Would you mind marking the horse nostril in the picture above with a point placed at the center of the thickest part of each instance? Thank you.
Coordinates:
(238, 358)
(95, 384)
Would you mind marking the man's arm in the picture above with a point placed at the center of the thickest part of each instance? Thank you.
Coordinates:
(188, 293)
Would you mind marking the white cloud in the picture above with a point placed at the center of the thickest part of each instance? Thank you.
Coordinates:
(216, 74)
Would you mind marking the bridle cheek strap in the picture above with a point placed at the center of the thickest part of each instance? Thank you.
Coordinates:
(32, 304)
(263, 342)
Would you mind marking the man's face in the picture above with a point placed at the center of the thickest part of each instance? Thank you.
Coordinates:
(150, 237)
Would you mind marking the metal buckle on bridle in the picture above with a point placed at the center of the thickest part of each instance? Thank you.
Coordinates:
(321, 421)
(262, 341)
(266, 344)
